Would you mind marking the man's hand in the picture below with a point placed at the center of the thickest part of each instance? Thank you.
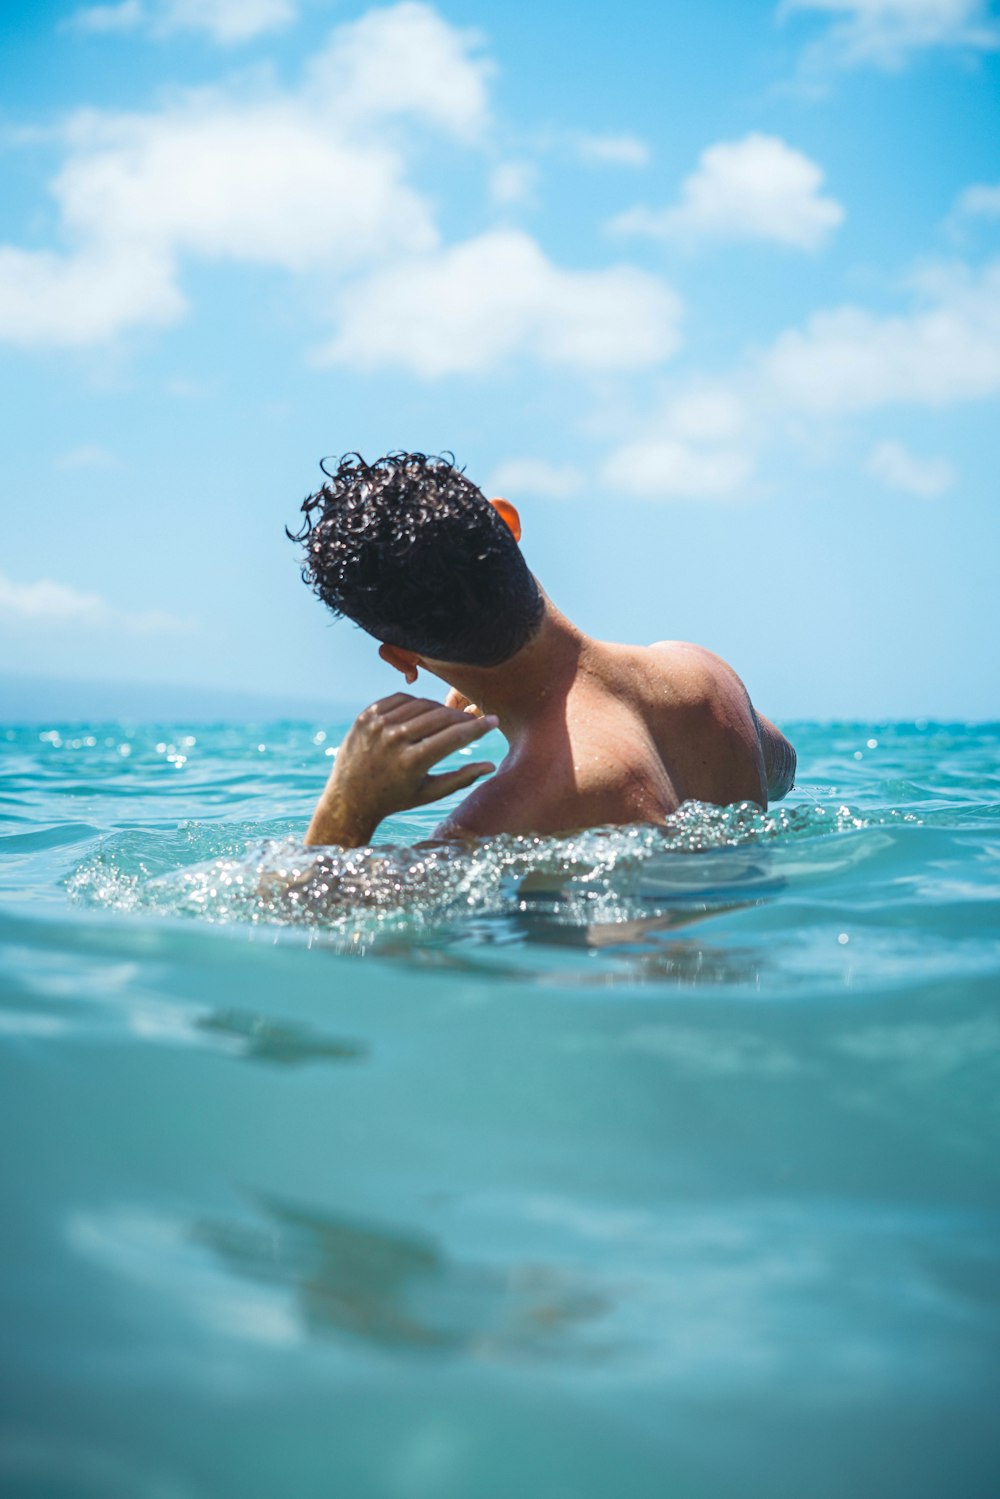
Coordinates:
(456, 699)
(383, 764)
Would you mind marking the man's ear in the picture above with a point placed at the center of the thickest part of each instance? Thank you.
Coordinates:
(508, 514)
(402, 660)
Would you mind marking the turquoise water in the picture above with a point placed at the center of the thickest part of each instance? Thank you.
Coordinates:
(641, 1163)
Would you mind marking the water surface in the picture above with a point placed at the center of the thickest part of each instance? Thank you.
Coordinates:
(644, 1162)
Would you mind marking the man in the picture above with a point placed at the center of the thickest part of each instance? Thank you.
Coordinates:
(414, 553)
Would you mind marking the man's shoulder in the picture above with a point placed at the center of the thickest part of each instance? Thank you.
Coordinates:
(506, 803)
(694, 675)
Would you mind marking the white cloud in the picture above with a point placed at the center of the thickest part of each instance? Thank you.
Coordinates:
(109, 18)
(269, 183)
(513, 182)
(313, 180)
(980, 201)
(897, 467)
(48, 603)
(225, 21)
(67, 300)
(612, 150)
(405, 61)
(707, 413)
(700, 443)
(757, 188)
(708, 440)
(89, 455)
(667, 468)
(536, 476)
(305, 179)
(886, 33)
(182, 388)
(850, 359)
(474, 305)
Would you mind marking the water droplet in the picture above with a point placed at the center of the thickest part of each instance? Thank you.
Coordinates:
(843, 938)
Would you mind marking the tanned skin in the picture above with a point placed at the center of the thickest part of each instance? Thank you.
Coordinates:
(597, 734)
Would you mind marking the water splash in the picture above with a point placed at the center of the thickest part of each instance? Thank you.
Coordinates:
(703, 855)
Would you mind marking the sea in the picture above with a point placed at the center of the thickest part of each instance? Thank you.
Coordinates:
(642, 1163)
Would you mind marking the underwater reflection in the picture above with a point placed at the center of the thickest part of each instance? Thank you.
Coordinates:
(259, 1038)
(532, 947)
(399, 1290)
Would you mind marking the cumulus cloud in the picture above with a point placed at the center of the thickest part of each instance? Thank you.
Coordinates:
(699, 443)
(535, 476)
(48, 603)
(894, 465)
(314, 180)
(83, 298)
(667, 468)
(404, 62)
(306, 180)
(612, 150)
(944, 351)
(887, 33)
(708, 441)
(473, 306)
(757, 188)
(266, 183)
(982, 200)
(225, 21)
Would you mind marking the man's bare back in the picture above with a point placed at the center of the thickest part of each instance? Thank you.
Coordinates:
(641, 730)
(598, 734)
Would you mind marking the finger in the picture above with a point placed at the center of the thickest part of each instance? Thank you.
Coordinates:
(435, 787)
(436, 718)
(394, 700)
(454, 737)
(410, 707)
(456, 699)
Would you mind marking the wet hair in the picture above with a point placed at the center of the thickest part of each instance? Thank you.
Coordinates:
(415, 554)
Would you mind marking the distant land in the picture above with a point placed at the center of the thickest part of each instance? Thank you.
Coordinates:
(26, 699)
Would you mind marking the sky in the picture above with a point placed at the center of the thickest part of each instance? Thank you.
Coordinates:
(712, 293)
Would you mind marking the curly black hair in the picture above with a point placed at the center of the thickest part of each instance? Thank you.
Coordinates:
(415, 554)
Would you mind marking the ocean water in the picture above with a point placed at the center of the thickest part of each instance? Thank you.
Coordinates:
(645, 1162)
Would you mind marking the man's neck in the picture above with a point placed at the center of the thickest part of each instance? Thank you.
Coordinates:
(532, 683)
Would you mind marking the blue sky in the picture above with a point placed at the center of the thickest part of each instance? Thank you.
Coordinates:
(712, 293)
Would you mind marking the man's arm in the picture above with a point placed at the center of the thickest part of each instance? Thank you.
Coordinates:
(383, 764)
(779, 758)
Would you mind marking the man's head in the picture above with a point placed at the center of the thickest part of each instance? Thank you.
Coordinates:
(415, 554)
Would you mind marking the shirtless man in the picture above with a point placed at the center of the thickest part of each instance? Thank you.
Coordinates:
(415, 554)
